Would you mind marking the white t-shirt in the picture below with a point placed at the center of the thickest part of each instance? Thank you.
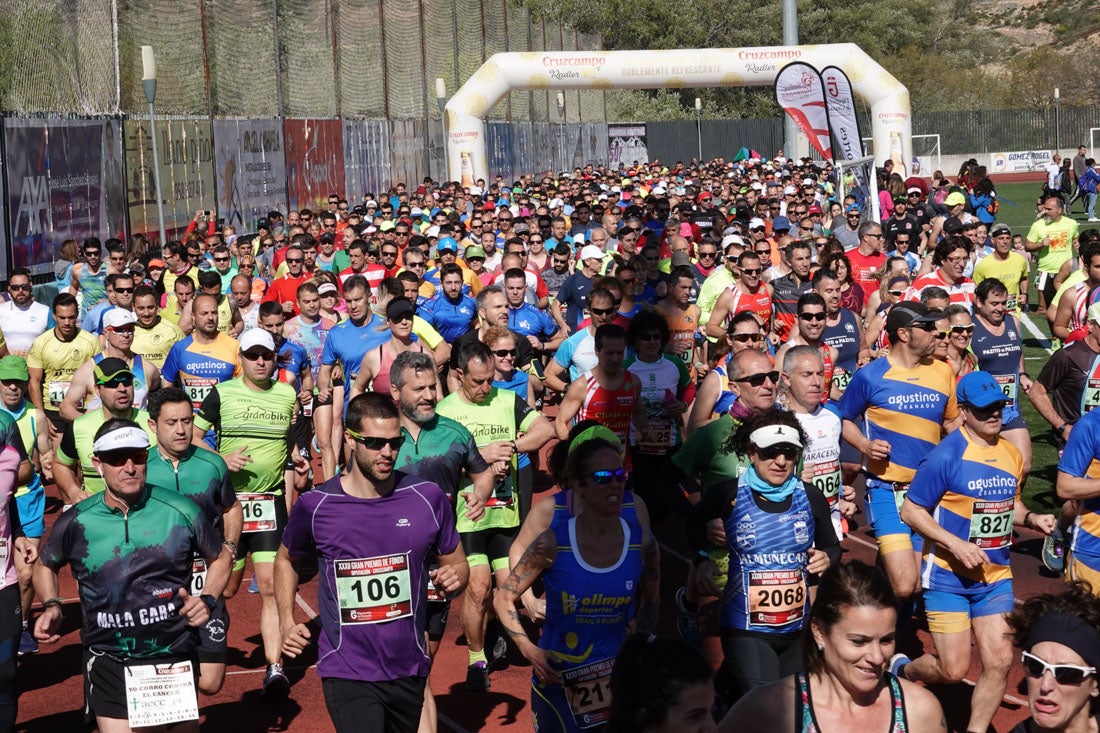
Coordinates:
(822, 456)
(21, 327)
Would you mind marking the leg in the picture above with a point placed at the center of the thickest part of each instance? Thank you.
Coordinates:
(213, 645)
(11, 628)
(322, 429)
(994, 640)
(353, 706)
(895, 544)
(429, 716)
(475, 608)
(751, 661)
(269, 614)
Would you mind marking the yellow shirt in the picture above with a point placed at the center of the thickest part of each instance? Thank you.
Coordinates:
(58, 361)
(154, 343)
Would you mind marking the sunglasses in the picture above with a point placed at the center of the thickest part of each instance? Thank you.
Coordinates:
(788, 451)
(601, 311)
(1064, 674)
(757, 380)
(371, 442)
(505, 352)
(117, 458)
(603, 478)
(958, 330)
(753, 271)
(91, 253)
(124, 290)
(116, 382)
(20, 287)
(259, 354)
(122, 329)
(415, 264)
(654, 336)
(221, 259)
(812, 316)
(744, 338)
(294, 260)
(762, 251)
(756, 229)
(400, 234)
(897, 293)
(703, 255)
(388, 253)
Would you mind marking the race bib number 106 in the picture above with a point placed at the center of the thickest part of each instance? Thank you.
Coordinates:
(373, 589)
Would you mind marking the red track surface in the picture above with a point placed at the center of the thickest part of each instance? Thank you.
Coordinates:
(52, 697)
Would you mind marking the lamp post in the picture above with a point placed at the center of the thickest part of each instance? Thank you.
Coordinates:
(561, 128)
(441, 98)
(149, 84)
(1057, 119)
(699, 126)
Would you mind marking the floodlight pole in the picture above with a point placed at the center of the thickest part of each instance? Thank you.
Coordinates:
(790, 38)
(149, 85)
(441, 98)
(699, 126)
(561, 127)
(1057, 120)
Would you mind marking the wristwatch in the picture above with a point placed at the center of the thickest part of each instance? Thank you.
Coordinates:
(210, 601)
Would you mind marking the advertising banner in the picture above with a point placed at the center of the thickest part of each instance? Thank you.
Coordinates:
(186, 150)
(249, 171)
(1019, 161)
(626, 145)
(841, 106)
(800, 93)
(65, 181)
(314, 162)
(408, 154)
(366, 158)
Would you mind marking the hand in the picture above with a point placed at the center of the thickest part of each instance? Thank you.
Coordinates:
(534, 343)
(237, 460)
(288, 306)
(193, 609)
(971, 556)
(301, 465)
(47, 625)
(536, 607)
(475, 507)
(877, 450)
(702, 370)
(716, 532)
(1025, 381)
(445, 578)
(27, 549)
(704, 579)
(848, 493)
(847, 508)
(543, 664)
(295, 640)
(675, 410)
(818, 563)
(1044, 523)
(500, 468)
(323, 395)
(499, 451)
(304, 397)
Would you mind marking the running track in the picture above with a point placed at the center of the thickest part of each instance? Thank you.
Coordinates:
(52, 698)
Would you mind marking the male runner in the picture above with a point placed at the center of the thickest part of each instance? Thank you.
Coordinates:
(154, 335)
(22, 319)
(54, 358)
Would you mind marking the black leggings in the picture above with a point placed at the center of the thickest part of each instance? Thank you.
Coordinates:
(386, 707)
(10, 631)
(755, 660)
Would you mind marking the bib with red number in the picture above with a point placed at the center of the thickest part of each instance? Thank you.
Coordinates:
(197, 388)
(991, 524)
(776, 597)
(373, 589)
(161, 694)
(827, 480)
(259, 512)
(198, 575)
(588, 690)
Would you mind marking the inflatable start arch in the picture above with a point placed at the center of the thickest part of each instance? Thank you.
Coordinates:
(467, 159)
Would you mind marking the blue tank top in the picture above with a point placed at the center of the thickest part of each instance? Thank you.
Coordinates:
(1000, 356)
(93, 288)
(587, 608)
(766, 588)
(845, 337)
(563, 507)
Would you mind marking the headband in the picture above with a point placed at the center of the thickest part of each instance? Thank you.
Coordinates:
(596, 431)
(123, 438)
(1070, 630)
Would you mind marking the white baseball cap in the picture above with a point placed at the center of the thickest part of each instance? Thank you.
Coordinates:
(254, 337)
(591, 252)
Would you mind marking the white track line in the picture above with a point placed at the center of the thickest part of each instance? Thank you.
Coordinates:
(1034, 330)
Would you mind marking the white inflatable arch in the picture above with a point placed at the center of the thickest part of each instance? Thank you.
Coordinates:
(467, 159)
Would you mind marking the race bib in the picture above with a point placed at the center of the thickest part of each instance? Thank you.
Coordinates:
(827, 480)
(57, 391)
(991, 524)
(374, 589)
(198, 575)
(197, 388)
(658, 439)
(259, 512)
(899, 497)
(841, 378)
(161, 694)
(1010, 304)
(1008, 386)
(776, 597)
(434, 594)
(503, 493)
(588, 690)
(1092, 395)
(307, 407)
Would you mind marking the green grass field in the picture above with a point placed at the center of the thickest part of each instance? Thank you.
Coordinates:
(1018, 211)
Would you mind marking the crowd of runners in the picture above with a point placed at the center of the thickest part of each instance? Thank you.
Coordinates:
(378, 394)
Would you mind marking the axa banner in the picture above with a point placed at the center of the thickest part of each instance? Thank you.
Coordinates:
(314, 162)
(249, 170)
(65, 180)
(186, 151)
(800, 93)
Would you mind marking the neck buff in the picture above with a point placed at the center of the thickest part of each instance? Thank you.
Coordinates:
(772, 493)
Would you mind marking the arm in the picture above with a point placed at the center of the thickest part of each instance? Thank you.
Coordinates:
(716, 326)
(555, 312)
(554, 376)
(702, 410)
(1041, 400)
(536, 559)
(1076, 487)
(570, 406)
(46, 588)
(1062, 315)
(640, 416)
(34, 387)
(878, 450)
(78, 391)
(295, 636)
(649, 601)
(538, 434)
(917, 517)
(324, 381)
(366, 373)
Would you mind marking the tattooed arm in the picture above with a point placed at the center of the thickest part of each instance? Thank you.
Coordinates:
(649, 602)
(536, 559)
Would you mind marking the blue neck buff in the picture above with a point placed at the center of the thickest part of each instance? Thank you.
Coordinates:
(767, 491)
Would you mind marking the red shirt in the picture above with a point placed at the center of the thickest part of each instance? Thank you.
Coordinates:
(285, 288)
(862, 268)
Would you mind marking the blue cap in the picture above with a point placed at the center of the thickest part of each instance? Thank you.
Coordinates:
(853, 207)
(447, 243)
(781, 222)
(979, 389)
